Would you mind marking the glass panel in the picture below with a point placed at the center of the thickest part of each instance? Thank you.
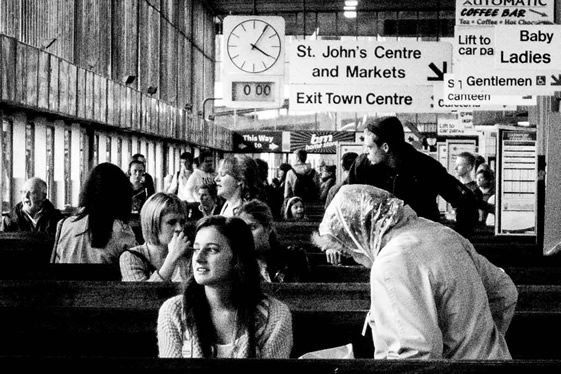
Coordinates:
(96, 149)
(6, 155)
(108, 149)
(67, 167)
(120, 152)
(29, 150)
(51, 162)
(84, 166)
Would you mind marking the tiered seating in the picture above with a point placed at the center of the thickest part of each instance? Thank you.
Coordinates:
(119, 319)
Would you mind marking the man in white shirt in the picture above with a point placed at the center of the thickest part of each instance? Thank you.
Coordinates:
(203, 175)
(178, 184)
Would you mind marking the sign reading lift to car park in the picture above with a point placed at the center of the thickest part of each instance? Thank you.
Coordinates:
(478, 69)
(503, 12)
(345, 76)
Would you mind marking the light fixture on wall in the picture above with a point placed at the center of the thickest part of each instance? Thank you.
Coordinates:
(350, 8)
(152, 90)
(128, 79)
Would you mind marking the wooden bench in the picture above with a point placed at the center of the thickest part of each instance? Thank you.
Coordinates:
(135, 365)
(531, 274)
(119, 319)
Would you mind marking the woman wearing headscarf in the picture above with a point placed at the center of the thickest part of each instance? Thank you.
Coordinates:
(432, 295)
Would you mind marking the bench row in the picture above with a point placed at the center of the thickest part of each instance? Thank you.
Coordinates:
(547, 275)
(204, 366)
(119, 319)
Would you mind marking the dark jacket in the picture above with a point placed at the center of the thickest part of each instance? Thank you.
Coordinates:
(18, 220)
(418, 180)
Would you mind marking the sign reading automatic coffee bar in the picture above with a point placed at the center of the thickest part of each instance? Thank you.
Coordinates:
(285, 141)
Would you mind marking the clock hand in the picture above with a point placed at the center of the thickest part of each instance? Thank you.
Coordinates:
(253, 46)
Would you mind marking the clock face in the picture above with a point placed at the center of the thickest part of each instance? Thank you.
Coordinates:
(253, 46)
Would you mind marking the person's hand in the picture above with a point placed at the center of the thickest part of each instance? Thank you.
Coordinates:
(179, 245)
(333, 256)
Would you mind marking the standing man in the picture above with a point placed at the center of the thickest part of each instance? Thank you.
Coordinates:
(179, 180)
(34, 213)
(302, 180)
(347, 161)
(204, 174)
(395, 166)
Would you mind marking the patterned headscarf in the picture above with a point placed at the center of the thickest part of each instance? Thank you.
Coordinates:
(356, 220)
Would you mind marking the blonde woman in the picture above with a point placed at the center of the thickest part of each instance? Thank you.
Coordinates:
(163, 256)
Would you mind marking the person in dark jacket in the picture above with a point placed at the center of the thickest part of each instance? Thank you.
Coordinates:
(395, 166)
(34, 213)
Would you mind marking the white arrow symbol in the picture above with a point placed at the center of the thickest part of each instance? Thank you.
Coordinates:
(273, 146)
(242, 146)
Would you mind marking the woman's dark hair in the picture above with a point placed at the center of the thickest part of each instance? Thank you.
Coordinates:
(246, 290)
(284, 167)
(105, 197)
(261, 212)
(243, 168)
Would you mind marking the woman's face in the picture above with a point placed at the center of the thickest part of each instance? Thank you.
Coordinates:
(226, 185)
(212, 257)
(259, 231)
(280, 174)
(136, 173)
(297, 210)
(170, 224)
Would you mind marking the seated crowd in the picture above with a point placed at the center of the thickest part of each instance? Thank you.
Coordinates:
(419, 294)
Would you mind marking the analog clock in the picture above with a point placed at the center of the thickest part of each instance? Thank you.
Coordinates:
(253, 46)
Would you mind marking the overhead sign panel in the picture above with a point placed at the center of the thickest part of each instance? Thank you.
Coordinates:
(503, 83)
(536, 47)
(357, 98)
(319, 141)
(258, 141)
(503, 12)
(475, 51)
(368, 62)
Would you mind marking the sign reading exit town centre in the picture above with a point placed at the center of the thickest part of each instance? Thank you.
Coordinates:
(368, 62)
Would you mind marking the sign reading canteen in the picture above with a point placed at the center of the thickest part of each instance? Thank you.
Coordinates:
(503, 12)
(365, 75)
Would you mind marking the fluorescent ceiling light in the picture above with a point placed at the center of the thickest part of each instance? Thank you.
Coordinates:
(349, 14)
(351, 2)
(352, 8)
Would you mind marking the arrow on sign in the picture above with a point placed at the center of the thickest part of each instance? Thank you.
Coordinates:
(438, 72)
(242, 146)
(273, 146)
(556, 80)
(540, 13)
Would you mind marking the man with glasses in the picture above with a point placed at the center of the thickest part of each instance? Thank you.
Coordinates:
(34, 213)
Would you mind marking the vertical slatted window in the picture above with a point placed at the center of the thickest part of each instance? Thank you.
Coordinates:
(29, 150)
(6, 163)
(67, 167)
(108, 148)
(120, 152)
(96, 149)
(84, 157)
(50, 161)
